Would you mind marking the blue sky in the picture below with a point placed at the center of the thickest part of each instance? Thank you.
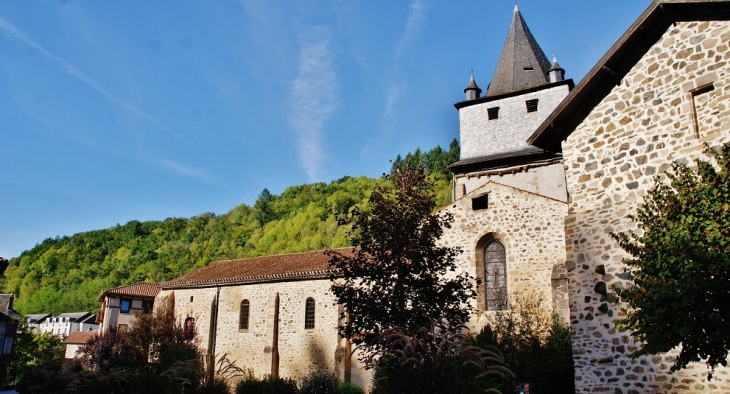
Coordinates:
(114, 111)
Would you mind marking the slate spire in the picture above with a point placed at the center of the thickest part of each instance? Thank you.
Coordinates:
(472, 91)
(556, 72)
(523, 64)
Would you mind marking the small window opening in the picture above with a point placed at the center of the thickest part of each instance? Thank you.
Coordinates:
(527, 66)
(243, 319)
(700, 101)
(493, 113)
(125, 306)
(309, 314)
(480, 202)
(191, 298)
(189, 332)
(531, 105)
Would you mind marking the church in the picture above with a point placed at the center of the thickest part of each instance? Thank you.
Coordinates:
(548, 169)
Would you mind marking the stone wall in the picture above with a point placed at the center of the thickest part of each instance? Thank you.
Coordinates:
(634, 134)
(482, 137)
(529, 226)
(301, 351)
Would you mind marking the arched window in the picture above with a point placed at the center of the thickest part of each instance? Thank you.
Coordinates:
(243, 318)
(495, 276)
(309, 314)
(189, 329)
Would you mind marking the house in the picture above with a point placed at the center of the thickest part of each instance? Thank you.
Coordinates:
(8, 329)
(75, 341)
(659, 94)
(120, 304)
(66, 323)
(34, 321)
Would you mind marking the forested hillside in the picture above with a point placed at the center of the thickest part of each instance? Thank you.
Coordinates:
(67, 273)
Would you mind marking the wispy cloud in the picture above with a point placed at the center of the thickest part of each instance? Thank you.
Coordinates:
(185, 170)
(72, 70)
(416, 16)
(315, 97)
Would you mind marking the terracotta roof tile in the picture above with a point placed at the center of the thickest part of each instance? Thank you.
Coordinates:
(141, 289)
(280, 267)
(79, 337)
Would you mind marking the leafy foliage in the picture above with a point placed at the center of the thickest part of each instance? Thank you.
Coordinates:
(397, 275)
(535, 344)
(111, 350)
(43, 351)
(437, 359)
(267, 385)
(680, 265)
(319, 383)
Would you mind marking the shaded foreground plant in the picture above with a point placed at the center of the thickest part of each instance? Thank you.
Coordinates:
(397, 273)
(535, 343)
(436, 359)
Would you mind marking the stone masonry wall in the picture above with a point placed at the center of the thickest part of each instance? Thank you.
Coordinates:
(481, 136)
(529, 226)
(301, 351)
(634, 134)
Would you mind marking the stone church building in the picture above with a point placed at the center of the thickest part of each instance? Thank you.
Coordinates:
(547, 170)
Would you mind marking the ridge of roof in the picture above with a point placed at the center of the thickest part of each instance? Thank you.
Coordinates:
(522, 64)
(261, 269)
(139, 289)
(608, 72)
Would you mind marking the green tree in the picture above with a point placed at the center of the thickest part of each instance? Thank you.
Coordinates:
(31, 351)
(397, 274)
(680, 264)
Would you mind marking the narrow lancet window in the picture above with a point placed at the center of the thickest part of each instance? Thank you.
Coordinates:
(495, 274)
(309, 314)
(243, 318)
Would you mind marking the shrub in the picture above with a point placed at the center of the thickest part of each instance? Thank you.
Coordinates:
(535, 344)
(267, 385)
(319, 383)
(350, 388)
(438, 359)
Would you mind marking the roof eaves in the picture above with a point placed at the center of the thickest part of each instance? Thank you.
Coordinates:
(288, 277)
(486, 99)
(617, 62)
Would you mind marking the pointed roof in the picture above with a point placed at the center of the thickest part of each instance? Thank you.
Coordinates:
(472, 84)
(523, 64)
(555, 65)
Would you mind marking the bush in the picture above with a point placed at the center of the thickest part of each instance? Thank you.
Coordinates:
(267, 385)
(350, 388)
(319, 383)
(535, 344)
(438, 360)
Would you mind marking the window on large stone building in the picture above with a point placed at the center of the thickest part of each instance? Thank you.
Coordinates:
(189, 332)
(243, 318)
(309, 314)
(495, 276)
(493, 113)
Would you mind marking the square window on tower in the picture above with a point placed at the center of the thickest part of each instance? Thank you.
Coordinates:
(531, 105)
(493, 113)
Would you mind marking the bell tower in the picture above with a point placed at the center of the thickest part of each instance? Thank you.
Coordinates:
(493, 128)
